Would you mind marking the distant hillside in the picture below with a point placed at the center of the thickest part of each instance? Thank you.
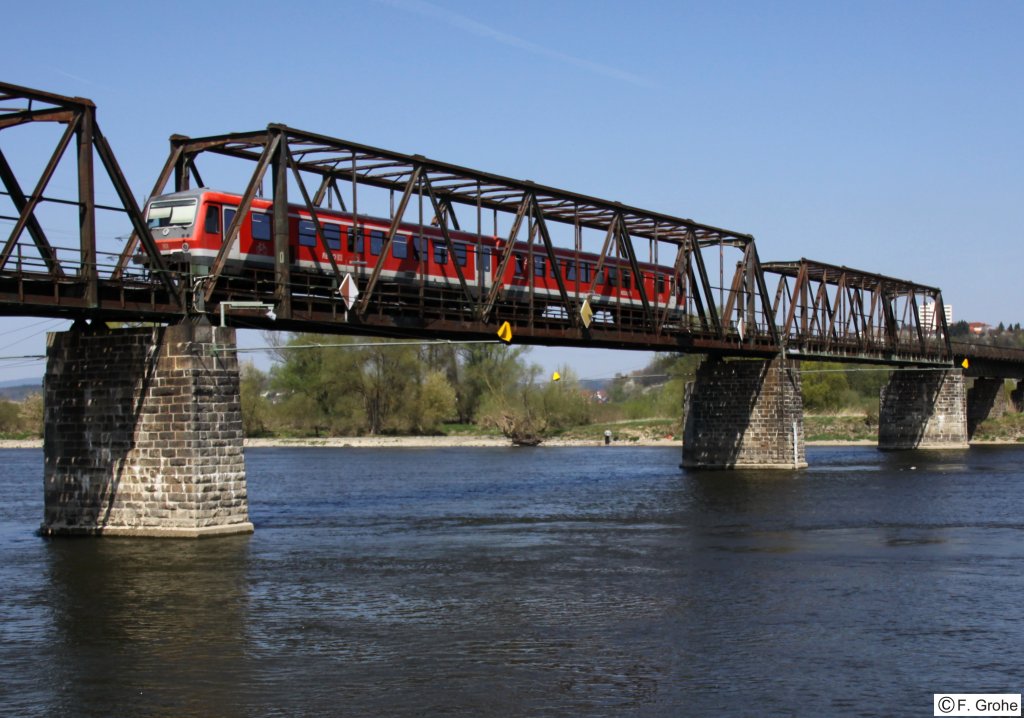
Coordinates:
(18, 389)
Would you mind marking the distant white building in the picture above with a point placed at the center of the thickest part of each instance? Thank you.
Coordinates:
(928, 318)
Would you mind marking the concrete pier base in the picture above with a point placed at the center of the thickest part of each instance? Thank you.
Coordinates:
(143, 433)
(923, 409)
(744, 414)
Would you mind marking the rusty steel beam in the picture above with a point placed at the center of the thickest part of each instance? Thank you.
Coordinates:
(549, 247)
(506, 255)
(450, 247)
(26, 207)
(371, 284)
(80, 117)
(828, 301)
(231, 236)
(345, 160)
(315, 217)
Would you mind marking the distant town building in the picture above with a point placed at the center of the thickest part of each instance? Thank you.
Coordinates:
(978, 328)
(928, 318)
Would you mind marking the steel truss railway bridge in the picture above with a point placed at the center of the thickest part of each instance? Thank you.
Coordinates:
(728, 305)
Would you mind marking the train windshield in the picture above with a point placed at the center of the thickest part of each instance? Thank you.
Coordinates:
(172, 213)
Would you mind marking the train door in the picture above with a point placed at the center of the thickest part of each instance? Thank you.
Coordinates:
(236, 247)
(484, 266)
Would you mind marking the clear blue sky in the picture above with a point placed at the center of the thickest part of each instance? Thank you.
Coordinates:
(886, 136)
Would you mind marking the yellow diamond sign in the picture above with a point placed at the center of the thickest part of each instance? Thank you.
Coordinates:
(586, 313)
(505, 332)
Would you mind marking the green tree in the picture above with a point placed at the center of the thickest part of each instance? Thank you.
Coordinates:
(320, 382)
(435, 404)
(256, 409)
(32, 414)
(486, 370)
(388, 384)
(10, 417)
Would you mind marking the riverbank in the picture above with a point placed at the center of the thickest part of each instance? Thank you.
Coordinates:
(435, 442)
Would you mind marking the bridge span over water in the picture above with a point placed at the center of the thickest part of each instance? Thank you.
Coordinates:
(368, 241)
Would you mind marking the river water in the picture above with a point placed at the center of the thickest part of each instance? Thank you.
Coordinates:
(532, 582)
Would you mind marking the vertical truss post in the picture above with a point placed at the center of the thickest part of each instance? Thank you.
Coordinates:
(942, 325)
(87, 208)
(889, 315)
(282, 252)
(181, 172)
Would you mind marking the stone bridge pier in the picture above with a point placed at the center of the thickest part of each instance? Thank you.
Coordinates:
(143, 433)
(923, 409)
(744, 413)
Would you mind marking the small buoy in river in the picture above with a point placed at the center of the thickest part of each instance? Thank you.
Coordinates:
(607, 437)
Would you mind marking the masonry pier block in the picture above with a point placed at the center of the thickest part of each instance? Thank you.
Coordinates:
(744, 414)
(143, 433)
(923, 409)
(986, 399)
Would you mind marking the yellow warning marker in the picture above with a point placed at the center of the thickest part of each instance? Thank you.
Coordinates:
(965, 364)
(556, 376)
(505, 332)
(586, 313)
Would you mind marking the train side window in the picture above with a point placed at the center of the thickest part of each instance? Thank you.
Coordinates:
(355, 241)
(627, 282)
(659, 284)
(584, 271)
(570, 271)
(611, 277)
(440, 253)
(332, 235)
(212, 224)
(400, 247)
(261, 227)
(376, 242)
(419, 248)
(520, 270)
(307, 233)
(460, 253)
(229, 217)
(538, 265)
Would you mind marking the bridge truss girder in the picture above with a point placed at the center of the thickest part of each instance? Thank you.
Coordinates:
(73, 281)
(834, 312)
(738, 319)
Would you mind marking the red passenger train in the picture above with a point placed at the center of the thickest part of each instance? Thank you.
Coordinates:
(190, 226)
